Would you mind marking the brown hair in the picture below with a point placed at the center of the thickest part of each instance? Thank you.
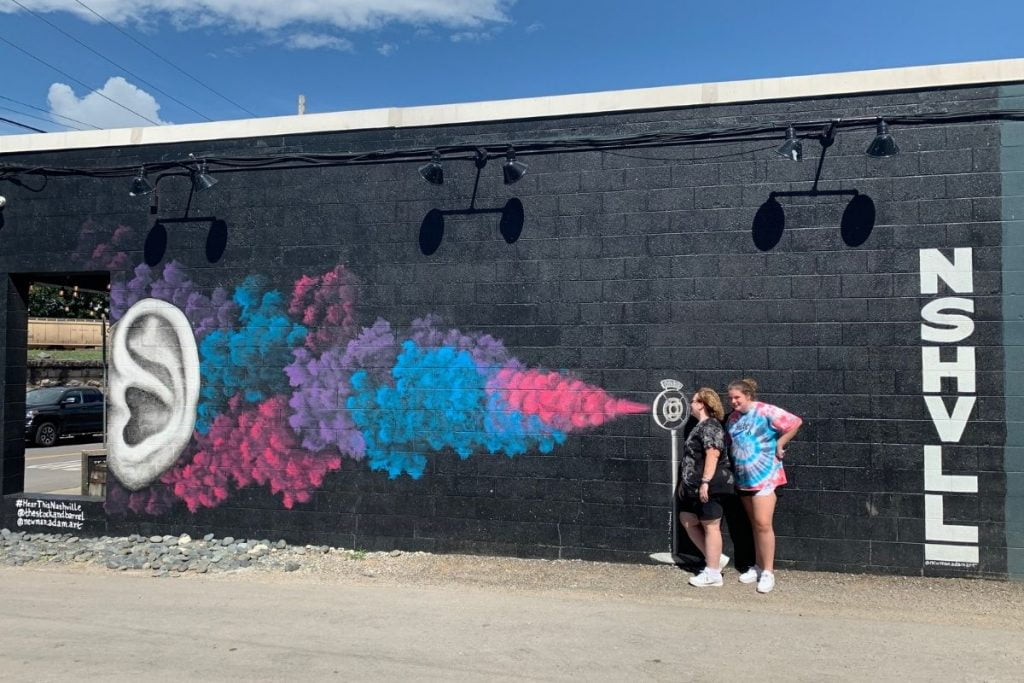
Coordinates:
(747, 386)
(709, 397)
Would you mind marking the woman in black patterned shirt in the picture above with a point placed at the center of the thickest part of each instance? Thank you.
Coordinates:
(705, 475)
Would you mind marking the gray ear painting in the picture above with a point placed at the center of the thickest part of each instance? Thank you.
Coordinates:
(153, 391)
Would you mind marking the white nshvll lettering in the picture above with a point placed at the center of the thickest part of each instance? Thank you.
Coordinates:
(947, 321)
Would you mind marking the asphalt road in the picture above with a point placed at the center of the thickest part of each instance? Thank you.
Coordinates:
(57, 469)
(62, 624)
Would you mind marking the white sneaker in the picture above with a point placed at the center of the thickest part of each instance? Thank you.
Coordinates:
(751, 575)
(722, 561)
(766, 583)
(704, 579)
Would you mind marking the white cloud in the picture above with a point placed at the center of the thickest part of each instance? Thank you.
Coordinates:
(274, 15)
(96, 109)
(316, 41)
(534, 27)
(387, 49)
(471, 36)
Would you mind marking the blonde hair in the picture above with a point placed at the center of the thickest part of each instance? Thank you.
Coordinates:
(712, 402)
(747, 386)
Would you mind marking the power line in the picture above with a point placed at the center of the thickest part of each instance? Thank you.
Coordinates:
(22, 125)
(164, 59)
(107, 59)
(40, 118)
(32, 106)
(87, 87)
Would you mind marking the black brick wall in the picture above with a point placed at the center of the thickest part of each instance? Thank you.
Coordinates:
(633, 266)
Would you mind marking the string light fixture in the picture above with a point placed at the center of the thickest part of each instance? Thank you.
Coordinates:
(512, 170)
(201, 179)
(793, 147)
(140, 185)
(883, 145)
(433, 172)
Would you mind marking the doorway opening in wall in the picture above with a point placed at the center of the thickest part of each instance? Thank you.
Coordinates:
(65, 383)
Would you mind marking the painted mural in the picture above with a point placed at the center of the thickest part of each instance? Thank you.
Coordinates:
(215, 391)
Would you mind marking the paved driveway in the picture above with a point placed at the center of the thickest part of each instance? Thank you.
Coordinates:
(66, 623)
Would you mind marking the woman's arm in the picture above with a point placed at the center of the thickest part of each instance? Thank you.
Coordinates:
(784, 423)
(710, 462)
(780, 448)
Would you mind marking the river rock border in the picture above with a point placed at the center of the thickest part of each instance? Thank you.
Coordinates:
(160, 556)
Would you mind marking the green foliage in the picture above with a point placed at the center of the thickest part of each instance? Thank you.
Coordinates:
(50, 301)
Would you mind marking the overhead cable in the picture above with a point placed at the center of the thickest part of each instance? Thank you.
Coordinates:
(39, 118)
(110, 61)
(84, 85)
(164, 59)
(22, 125)
(61, 116)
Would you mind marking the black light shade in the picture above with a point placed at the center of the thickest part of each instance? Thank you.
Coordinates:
(883, 145)
(433, 172)
(793, 147)
(201, 180)
(140, 185)
(513, 170)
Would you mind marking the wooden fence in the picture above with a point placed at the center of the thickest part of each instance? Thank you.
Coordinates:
(64, 332)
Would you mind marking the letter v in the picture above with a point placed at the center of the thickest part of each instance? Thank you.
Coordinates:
(950, 427)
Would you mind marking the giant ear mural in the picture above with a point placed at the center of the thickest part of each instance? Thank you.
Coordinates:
(153, 391)
(287, 386)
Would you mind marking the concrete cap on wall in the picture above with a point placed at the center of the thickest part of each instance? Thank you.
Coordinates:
(764, 89)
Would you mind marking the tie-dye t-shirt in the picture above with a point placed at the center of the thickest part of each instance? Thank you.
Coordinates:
(755, 435)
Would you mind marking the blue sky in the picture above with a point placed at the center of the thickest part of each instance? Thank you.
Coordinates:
(359, 54)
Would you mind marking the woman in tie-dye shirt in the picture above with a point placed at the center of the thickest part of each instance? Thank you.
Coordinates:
(759, 433)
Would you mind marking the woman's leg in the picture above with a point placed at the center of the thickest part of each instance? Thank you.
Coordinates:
(749, 507)
(738, 521)
(712, 529)
(761, 510)
(694, 530)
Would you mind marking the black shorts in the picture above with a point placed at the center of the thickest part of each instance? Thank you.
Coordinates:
(706, 512)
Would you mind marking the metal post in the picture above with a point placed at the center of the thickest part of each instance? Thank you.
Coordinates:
(673, 504)
(671, 410)
(103, 328)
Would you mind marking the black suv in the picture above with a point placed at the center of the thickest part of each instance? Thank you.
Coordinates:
(53, 412)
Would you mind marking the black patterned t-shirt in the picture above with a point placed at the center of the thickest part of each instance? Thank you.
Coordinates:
(707, 434)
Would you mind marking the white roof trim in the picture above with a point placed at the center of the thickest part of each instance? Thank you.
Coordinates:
(880, 80)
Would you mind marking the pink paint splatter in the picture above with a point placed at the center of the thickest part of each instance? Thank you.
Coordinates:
(102, 249)
(325, 304)
(559, 401)
(245, 447)
(155, 500)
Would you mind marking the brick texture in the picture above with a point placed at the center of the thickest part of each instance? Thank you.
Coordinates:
(632, 266)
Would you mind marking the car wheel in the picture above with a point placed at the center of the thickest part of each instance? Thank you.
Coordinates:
(46, 434)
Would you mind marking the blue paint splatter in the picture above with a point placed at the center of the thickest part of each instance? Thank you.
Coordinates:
(514, 433)
(248, 361)
(437, 400)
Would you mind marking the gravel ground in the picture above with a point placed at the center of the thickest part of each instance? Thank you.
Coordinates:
(966, 602)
